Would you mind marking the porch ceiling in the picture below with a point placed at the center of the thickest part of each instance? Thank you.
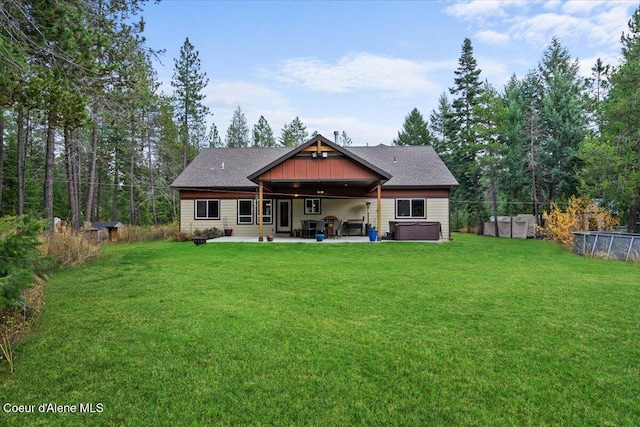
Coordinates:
(322, 188)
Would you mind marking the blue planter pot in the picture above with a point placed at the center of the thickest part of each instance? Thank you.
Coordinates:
(373, 235)
(319, 237)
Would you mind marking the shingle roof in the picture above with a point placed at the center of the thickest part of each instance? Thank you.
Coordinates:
(418, 166)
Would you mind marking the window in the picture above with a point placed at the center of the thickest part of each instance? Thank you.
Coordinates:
(267, 211)
(245, 211)
(411, 208)
(311, 206)
(207, 209)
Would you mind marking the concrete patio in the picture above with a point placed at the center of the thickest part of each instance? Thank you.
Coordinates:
(289, 239)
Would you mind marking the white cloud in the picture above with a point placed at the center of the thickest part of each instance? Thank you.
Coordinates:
(581, 6)
(492, 37)
(255, 100)
(609, 25)
(232, 93)
(362, 71)
(593, 23)
(495, 71)
(552, 5)
(476, 8)
(539, 29)
(480, 10)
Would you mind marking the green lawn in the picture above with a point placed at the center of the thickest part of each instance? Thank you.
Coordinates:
(478, 331)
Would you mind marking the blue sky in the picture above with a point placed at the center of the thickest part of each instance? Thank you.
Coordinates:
(362, 66)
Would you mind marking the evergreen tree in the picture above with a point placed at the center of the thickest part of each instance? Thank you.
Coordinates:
(345, 140)
(564, 123)
(188, 83)
(613, 160)
(490, 115)
(293, 134)
(441, 127)
(238, 131)
(597, 86)
(516, 184)
(465, 146)
(214, 137)
(262, 134)
(414, 131)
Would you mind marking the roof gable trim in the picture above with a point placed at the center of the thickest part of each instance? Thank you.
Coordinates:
(320, 141)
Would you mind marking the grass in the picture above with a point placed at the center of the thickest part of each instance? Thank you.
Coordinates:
(478, 331)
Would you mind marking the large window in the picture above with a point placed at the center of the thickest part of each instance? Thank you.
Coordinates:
(411, 208)
(245, 211)
(312, 206)
(207, 209)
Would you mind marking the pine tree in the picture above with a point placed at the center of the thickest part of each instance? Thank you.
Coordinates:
(214, 137)
(262, 134)
(465, 146)
(345, 140)
(238, 131)
(293, 134)
(441, 127)
(414, 131)
(188, 83)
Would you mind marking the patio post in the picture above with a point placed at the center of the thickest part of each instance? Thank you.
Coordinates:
(379, 210)
(260, 227)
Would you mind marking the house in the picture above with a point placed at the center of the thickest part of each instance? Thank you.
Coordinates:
(264, 191)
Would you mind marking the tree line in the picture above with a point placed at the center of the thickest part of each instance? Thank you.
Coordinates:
(545, 137)
(86, 135)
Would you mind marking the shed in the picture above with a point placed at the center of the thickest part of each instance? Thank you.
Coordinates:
(106, 230)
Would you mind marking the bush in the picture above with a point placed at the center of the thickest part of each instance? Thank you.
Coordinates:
(135, 233)
(21, 260)
(210, 233)
(69, 249)
(582, 214)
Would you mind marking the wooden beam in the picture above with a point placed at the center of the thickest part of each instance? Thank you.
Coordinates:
(379, 210)
(260, 226)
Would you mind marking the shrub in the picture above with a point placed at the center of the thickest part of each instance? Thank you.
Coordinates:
(21, 261)
(15, 322)
(69, 249)
(582, 214)
(135, 233)
(210, 233)
(182, 236)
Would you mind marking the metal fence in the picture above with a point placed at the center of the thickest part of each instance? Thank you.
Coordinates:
(602, 244)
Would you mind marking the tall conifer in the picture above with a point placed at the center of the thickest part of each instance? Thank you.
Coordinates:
(188, 83)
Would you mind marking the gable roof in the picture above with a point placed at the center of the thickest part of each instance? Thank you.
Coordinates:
(324, 141)
(406, 166)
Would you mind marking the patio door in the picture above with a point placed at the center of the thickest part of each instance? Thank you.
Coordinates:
(283, 214)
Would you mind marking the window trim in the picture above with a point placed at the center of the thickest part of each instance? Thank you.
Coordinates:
(411, 216)
(311, 199)
(270, 221)
(195, 210)
(249, 216)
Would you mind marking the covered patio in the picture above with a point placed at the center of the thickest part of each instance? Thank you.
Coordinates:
(320, 172)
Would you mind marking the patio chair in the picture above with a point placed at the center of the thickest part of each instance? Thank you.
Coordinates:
(306, 228)
(316, 227)
(333, 228)
(337, 226)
